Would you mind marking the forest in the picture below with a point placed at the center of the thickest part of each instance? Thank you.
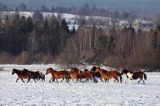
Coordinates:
(38, 40)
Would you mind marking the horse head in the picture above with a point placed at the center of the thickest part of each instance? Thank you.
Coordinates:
(98, 69)
(124, 71)
(13, 71)
(49, 70)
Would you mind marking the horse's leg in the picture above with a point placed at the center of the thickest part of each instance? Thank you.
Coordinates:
(139, 80)
(101, 79)
(77, 80)
(67, 80)
(105, 80)
(50, 80)
(57, 80)
(34, 80)
(87, 79)
(143, 81)
(17, 79)
(22, 80)
(108, 80)
(72, 80)
(44, 78)
(62, 79)
(81, 81)
(116, 79)
(28, 80)
(53, 80)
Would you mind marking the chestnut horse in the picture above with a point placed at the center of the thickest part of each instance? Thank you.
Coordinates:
(74, 74)
(58, 75)
(21, 75)
(135, 75)
(86, 74)
(106, 75)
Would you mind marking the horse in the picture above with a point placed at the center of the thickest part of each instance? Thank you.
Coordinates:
(21, 74)
(33, 75)
(86, 74)
(95, 74)
(58, 74)
(42, 76)
(116, 74)
(106, 75)
(135, 75)
(74, 74)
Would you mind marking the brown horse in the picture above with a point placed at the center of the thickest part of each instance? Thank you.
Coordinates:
(135, 75)
(86, 75)
(106, 75)
(115, 74)
(58, 75)
(21, 75)
(74, 74)
(35, 75)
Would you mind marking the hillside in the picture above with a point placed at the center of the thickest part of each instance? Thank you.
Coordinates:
(143, 7)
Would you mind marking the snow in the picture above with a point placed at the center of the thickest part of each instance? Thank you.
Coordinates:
(79, 94)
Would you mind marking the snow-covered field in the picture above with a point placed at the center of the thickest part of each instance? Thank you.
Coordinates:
(76, 94)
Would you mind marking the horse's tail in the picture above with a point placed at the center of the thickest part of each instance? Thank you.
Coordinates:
(120, 77)
(145, 76)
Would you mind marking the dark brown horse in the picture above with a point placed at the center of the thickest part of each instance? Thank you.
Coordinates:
(135, 75)
(42, 76)
(21, 74)
(64, 74)
(95, 74)
(35, 75)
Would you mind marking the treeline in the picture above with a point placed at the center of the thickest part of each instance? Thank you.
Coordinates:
(84, 10)
(37, 40)
(118, 48)
(32, 39)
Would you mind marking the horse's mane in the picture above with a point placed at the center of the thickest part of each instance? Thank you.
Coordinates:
(75, 69)
(25, 69)
(16, 69)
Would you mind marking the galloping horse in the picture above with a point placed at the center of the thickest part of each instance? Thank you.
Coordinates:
(135, 75)
(33, 75)
(21, 75)
(86, 74)
(106, 75)
(42, 76)
(95, 74)
(74, 74)
(58, 75)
